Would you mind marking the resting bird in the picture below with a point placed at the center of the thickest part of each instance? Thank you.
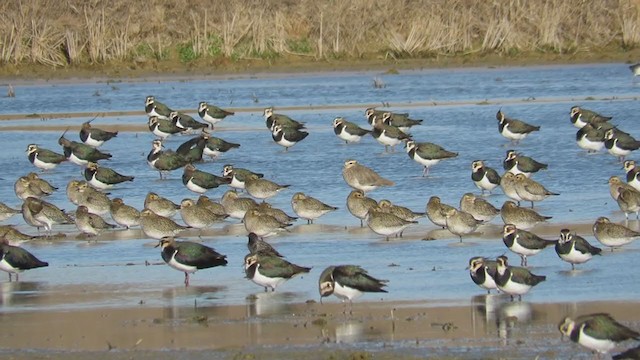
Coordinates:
(95, 137)
(189, 257)
(513, 129)
(348, 282)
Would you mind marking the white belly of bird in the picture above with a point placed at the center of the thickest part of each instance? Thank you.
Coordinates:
(518, 249)
(579, 123)
(99, 184)
(125, 221)
(345, 292)
(74, 159)
(181, 267)
(635, 184)
(511, 193)
(459, 228)
(195, 188)
(84, 227)
(515, 171)
(160, 134)
(425, 162)
(156, 233)
(5, 266)
(212, 153)
(284, 142)
(387, 230)
(264, 281)
(365, 188)
(576, 257)
(310, 214)
(485, 184)
(511, 135)
(344, 135)
(93, 142)
(210, 119)
(153, 112)
(599, 345)
(235, 183)
(615, 242)
(589, 145)
(43, 165)
(489, 283)
(514, 288)
(386, 140)
(616, 151)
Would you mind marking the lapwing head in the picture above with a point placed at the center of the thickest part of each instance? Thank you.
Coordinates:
(250, 260)
(500, 115)
(326, 283)
(508, 229)
(565, 236)
(299, 196)
(410, 145)
(227, 170)
(386, 118)
(153, 120)
(82, 210)
(276, 128)
(609, 134)
(86, 125)
(186, 203)
(165, 241)
(502, 261)
(477, 165)
(156, 145)
(64, 141)
(92, 166)
(369, 112)
(475, 263)
(32, 148)
(338, 121)
(575, 110)
(267, 112)
(350, 163)
(566, 326)
(173, 115)
(202, 106)
(629, 165)
(149, 101)
(511, 154)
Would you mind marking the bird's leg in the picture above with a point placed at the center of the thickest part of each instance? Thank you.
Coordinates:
(186, 279)
(573, 267)
(532, 204)
(460, 236)
(9, 277)
(425, 171)
(361, 223)
(519, 297)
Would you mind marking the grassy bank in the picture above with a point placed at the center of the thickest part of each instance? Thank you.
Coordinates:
(165, 35)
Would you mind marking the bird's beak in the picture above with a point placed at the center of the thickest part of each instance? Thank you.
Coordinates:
(158, 244)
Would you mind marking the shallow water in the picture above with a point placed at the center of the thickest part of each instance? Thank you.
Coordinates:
(113, 273)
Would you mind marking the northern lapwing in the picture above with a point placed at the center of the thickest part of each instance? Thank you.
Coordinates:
(478, 207)
(200, 181)
(238, 175)
(123, 214)
(460, 223)
(214, 146)
(102, 177)
(597, 332)
(590, 138)
(272, 119)
(388, 135)
(348, 282)
(198, 217)
(531, 190)
(164, 161)
(513, 129)
(212, 114)
(485, 178)
(162, 128)
(361, 177)
(192, 150)
(613, 235)
(635, 69)
(632, 170)
(155, 108)
(400, 121)
(287, 136)
(348, 131)
(580, 117)
(436, 211)
(522, 218)
(90, 224)
(261, 188)
(189, 257)
(308, 207)
(385, 223)
(483, 272)
(185, 122)
(523, 243)
(14, 260)
(160, 205)
(620, 144)
(359, 204)
(513, 280)
(158, 227)
(235, 205)
(262, 224)
(257, 245)
(516, 164)
(427, 154)
(270, 271)
(79, 153)
(43, 158)
(95, 137)
(575, 249)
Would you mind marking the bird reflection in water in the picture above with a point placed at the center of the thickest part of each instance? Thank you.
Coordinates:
(270, 303)
(508, 317)
(19, 293)
(181, 301)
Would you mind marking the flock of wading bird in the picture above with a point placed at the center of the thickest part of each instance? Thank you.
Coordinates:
(264, 265)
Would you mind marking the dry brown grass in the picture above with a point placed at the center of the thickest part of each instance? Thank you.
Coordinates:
(63, 32)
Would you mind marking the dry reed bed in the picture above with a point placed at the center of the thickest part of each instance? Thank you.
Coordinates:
(63, 32)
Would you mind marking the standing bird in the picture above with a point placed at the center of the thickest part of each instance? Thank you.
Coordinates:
(348, 131)
(43, 158)
(103, 177)
(95, 137)
(522, 218)
(309, 208)
(214, 147)
(597, 332)
(483, 272)
(575, 249)
(516, 164)
(427, 154)
(400, 211)
(385, 223)
(40, 213)
(401, 121)
(156, 108)
(90, 224)
(388, 135)
(523, 243)
(590, 138)
(460, 223)
(632, 171)
(436, 211)
(620, 144)
(272, 119)
(79, 153)
(261, 188)
(197, 216)
(212, 114)
(611, 234)
(629, 201)
(189, 257)
(580, 117)
(236, 206)
(14, 260)
(238, 175)
(164, 161)
(256, 245)
(359, 204)
(287, 136)
(262, 224)
(160, 205)
(508, 186)
(362, 178)
(270, 271)
(348, 282)
(185, 122)
(513, 129)
(513, 280)
(162, 128)
(158, 227)
(531, 190)
(200, 181)
(124, 215)
(484, 177)
(31, 185)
